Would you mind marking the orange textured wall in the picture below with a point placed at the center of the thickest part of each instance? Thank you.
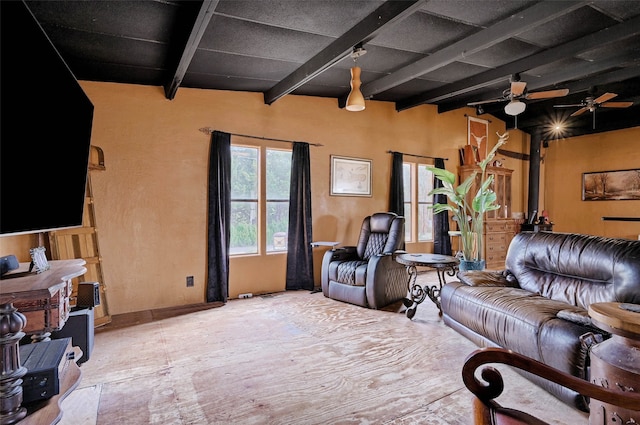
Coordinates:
(566, 160)
(151, 200)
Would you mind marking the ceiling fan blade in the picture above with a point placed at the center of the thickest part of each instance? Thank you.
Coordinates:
(575, 105)
(616, 104)
(517, 88)
(605, 97)
(482, 102)
(547, 94)
(580, 112)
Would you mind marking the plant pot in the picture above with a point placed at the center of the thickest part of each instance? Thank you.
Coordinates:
(471, 265)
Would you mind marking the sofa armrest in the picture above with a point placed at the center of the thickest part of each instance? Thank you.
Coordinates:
(344, 253)
(488, 278)
(386, 280)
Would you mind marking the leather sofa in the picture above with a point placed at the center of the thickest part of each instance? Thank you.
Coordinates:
(537, 306)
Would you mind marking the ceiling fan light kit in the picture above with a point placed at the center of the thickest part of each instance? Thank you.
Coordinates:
(518, 90)
(515, 107)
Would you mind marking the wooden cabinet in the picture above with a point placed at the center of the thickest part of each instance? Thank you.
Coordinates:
(45, 299)
(499, 227)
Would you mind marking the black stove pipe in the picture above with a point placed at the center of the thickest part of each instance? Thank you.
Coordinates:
(534, 176)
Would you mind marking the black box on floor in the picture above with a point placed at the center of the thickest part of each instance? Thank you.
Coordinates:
(45, 363)
(88, 294)
(78, 327)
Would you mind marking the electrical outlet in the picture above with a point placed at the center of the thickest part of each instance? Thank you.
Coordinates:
(247, 295)
(189, 281)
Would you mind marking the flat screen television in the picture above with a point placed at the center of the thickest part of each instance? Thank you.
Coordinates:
(45, 130)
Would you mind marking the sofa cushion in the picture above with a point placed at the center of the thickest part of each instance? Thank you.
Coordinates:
(349, 272)
(576, 269)
(510, 317)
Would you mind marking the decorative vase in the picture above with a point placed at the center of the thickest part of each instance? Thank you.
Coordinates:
(471, 265)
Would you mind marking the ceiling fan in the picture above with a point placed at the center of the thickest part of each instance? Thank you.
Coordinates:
(516, 93)
(592, 103)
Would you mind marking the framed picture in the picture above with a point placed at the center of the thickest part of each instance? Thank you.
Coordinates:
(478, 135)
(39, 262)
(350, 176)
(611, 185)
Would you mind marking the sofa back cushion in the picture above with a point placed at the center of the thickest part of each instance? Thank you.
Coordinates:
(576, 269)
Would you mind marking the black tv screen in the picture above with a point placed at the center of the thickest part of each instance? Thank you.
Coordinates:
(46, 121)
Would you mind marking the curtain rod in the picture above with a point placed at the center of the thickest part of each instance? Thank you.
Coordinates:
(209, 130)
(419, 156)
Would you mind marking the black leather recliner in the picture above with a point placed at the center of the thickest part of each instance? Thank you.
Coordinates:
(367, 274)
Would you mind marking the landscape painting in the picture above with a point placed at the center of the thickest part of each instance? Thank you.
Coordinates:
(611, 185)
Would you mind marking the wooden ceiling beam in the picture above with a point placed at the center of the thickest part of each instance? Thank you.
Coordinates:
(197, 31)
(570, 49)
(516, 24)
(388, 14)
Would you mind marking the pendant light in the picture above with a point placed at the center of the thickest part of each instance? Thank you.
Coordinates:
(355, 100)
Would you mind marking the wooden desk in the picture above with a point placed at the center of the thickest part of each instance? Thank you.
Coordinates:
(45, 300)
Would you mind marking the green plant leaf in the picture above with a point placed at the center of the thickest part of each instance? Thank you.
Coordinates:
(443, 175)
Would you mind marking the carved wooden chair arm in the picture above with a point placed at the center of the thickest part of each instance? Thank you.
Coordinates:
(493, 384)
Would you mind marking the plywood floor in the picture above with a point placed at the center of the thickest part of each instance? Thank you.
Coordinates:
(289, 358)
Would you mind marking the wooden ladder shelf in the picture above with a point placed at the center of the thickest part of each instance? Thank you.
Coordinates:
(82, 242)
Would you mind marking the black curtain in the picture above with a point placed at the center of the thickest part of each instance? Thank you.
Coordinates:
(219, 217)
(299, 250)
(396, 189)
(441, 238)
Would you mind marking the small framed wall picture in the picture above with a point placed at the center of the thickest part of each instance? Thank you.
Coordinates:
(350, 176)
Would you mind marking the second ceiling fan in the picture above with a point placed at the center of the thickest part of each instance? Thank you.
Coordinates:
(591, 103)
(518, 92)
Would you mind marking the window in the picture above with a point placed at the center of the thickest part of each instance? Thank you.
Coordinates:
(260, 179)
(418, 182)
(244, 200)
(278, 180)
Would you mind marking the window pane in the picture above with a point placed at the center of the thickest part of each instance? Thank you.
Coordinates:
(407, 222)
(277, 225)
(278, 183)
(406, 182)
(244, 228)
(425, 184)
(278, 174)
(244, 173)
(425, 222)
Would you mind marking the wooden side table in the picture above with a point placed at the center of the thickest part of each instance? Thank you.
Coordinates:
(615, 363)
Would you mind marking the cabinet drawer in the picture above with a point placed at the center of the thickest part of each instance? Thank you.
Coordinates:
(496, 238)
(497, 247)
(506, 225)
(496, 226)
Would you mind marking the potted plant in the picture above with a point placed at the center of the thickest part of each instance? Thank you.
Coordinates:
(468, 210)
